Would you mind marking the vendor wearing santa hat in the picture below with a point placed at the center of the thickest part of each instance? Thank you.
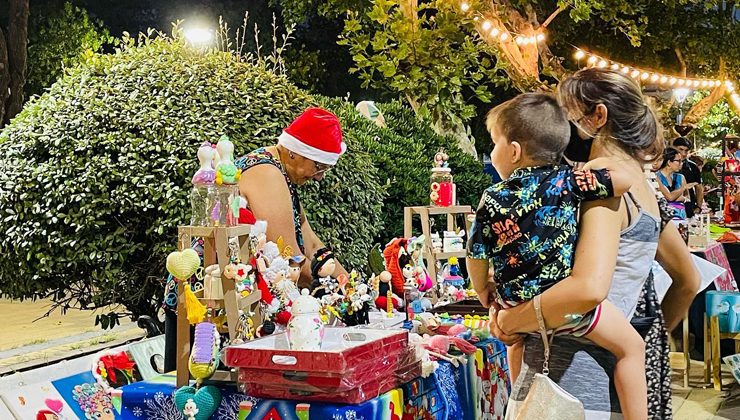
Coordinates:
(306, 150)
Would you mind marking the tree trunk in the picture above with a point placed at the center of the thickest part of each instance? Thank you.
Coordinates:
(17, 53)
(4, 76)
(465, 142)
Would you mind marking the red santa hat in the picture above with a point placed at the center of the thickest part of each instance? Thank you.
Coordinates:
(316, 135)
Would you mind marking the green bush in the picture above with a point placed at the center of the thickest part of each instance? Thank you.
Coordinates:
(404, 154)
(94, 174)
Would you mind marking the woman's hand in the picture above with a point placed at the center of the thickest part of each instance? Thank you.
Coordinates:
(496, 331)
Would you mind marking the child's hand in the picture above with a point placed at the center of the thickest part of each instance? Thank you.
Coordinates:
(621, 179)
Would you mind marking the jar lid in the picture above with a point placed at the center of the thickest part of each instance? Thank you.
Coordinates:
(444, 170)
(305, 304)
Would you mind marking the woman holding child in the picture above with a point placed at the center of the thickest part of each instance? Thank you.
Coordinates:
(618, 239)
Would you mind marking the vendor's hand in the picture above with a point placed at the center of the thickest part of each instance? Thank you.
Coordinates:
(496, 331)
(691, 185)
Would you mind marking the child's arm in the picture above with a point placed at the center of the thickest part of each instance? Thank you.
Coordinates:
(621, 180)
(481, 243)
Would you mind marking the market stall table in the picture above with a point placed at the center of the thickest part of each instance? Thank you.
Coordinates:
(472, 390)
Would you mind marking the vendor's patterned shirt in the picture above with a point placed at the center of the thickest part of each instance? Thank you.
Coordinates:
(527, 226)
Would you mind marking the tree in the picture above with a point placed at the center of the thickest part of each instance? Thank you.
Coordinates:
(13, 56)
(58, 34)
(380, 32)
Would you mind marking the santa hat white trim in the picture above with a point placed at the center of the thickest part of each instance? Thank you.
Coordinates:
(296, 146)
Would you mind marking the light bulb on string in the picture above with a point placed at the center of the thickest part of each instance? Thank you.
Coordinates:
(644, 75)
(696, 83)
(654, 78)
(495, 32)
(579, 54)
(602, 64)
(540, 37)
(486, 25)
(663, 79)
(592, 60)
(625, 70)
(672, 81)
(504, 36)
(635, 74)
(464, 7)
(681, 82)
(615, 66)
(704, 83)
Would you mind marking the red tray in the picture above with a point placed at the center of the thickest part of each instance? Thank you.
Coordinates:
(372, 369)
(342, 350)
(357, 395)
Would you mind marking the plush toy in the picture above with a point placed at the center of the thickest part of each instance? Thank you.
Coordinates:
(452, 276)
(182, 266)
(440, 159)
(383, 286)
(204, 357)
(197, 404)
(393, 254)
(323, 266)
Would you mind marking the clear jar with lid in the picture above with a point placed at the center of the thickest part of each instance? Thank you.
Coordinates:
(442, 189)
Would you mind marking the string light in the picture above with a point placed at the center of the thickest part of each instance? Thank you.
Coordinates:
(486, 25)
(464, 7)
(504, 37)
(494, 32)
(540, 37)
(665, 80)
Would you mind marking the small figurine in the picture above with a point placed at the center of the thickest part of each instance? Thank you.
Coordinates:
(296, 265)
(440, 159)
(383, 288)
(305, 330)
(452, 276)
(190, 410)
(200, 195)
(323, 266)
(436, 243)
(226, 171)
(205, 175)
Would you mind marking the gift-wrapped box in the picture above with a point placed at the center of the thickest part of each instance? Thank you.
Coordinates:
(353, 365)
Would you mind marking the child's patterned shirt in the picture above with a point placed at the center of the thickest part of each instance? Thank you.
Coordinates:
(527, 226)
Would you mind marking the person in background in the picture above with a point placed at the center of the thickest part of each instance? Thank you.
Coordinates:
(672, 184)
(692, 173)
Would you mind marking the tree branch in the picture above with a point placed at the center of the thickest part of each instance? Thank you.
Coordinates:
(679, 56)
(553, 16)
(17, 54)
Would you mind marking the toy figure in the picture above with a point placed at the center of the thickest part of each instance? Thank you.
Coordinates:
(296, 264)
(226, 171)
(382, 287)
(190, 410)
(440, 159)
(323, 266)
(452, 277)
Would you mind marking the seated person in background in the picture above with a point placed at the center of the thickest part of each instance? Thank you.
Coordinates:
(526, 226)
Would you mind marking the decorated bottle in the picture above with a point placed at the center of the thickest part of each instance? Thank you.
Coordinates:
(202, 181)
(226, 210)
(305, 329)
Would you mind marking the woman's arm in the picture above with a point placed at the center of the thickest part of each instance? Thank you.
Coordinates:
(269, 199)
(589, 282)
(673, 255)
(312, 243)
(671, 195)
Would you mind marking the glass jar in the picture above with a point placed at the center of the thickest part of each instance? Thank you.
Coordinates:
(442, 189)
(199, 205)
(225, 209)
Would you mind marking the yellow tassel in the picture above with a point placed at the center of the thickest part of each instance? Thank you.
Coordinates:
(196, 311)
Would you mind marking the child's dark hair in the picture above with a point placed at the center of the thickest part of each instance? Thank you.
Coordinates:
(536, 122)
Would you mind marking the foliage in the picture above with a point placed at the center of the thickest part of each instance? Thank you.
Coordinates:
(94, 174)
(433, 60)
(58, 35)
(403, 153)
(719, 121)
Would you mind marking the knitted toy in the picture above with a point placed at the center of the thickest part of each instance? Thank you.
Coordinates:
(204, 357)
(392, 252)
(182, 266)
(197, 404)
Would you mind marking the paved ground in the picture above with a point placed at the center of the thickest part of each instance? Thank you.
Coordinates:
(699, 403)
(24, 341)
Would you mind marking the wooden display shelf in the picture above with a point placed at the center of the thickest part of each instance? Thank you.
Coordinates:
(215, 251)
(424, 212)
